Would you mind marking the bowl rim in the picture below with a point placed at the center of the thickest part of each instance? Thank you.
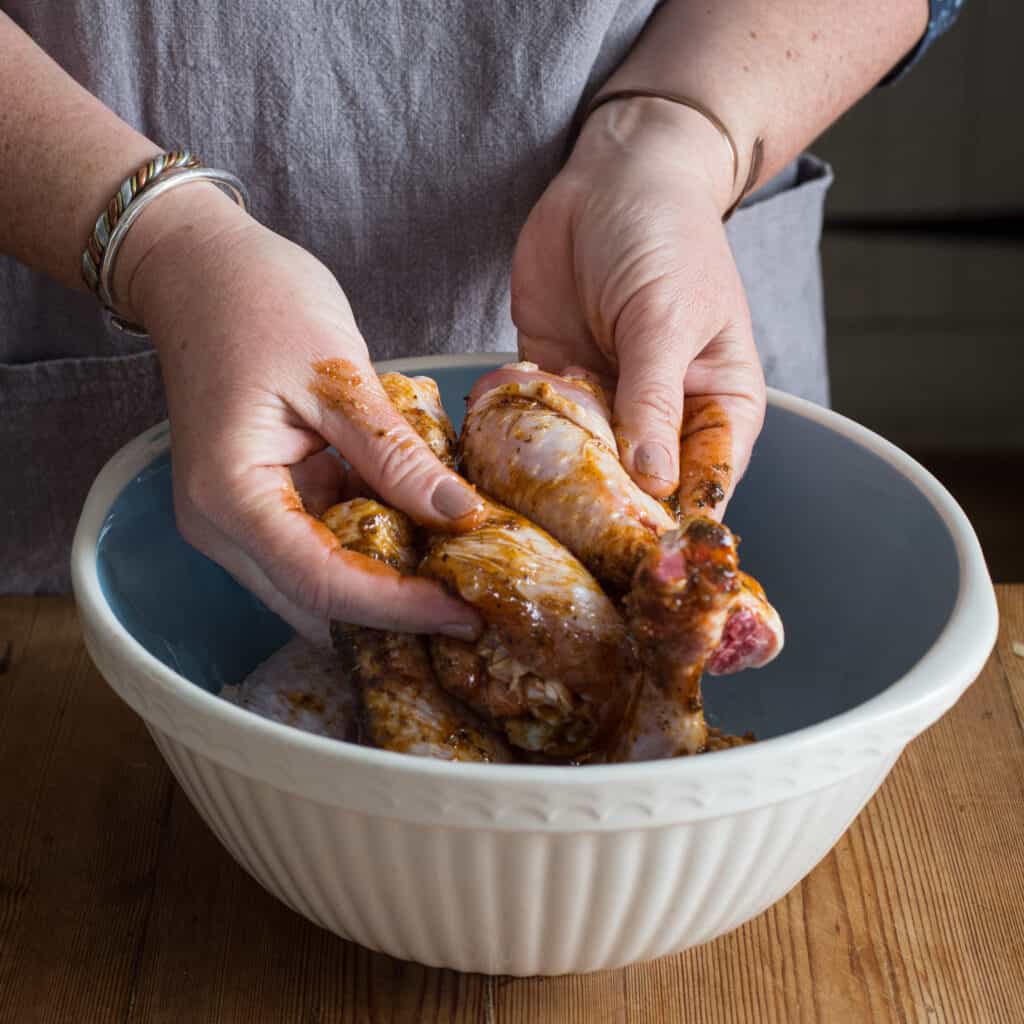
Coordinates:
(907, 706)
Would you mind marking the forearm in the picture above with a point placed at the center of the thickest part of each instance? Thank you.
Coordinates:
(782, 71)
(62, 156)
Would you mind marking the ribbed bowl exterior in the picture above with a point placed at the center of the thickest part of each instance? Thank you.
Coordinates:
(520, 903)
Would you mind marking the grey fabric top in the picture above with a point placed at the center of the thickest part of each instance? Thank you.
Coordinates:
(402, 143)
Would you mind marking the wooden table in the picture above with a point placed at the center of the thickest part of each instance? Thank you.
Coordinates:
(117, 904)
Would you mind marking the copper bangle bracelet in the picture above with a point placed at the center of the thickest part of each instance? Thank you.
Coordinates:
(756, 154)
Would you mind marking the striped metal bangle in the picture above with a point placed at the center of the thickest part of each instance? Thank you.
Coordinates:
(96, 246)
(224, 180)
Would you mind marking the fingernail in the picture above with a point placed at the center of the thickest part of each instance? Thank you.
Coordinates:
(460, 631)
(653, 459)
(454, 500)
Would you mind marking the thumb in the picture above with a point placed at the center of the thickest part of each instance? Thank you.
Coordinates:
(654, 350)
(355, 414)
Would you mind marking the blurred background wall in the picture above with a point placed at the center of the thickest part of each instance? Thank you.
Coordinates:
(923, 257)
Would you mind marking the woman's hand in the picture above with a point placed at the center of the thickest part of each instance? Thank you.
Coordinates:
(623, 268)
(264, 367)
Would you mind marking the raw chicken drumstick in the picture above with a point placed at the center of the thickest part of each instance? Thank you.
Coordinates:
(677, 609)
(554, 667)
(403, 708)
(543, 444)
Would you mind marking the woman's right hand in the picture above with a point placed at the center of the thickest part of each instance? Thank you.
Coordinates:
(264, 368)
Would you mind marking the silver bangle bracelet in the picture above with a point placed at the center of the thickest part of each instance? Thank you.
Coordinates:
(224, 179)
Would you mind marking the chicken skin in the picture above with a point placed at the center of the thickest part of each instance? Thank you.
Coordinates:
(544, 445)
(677, 608)
(403, 708)
(554, 667)
(419, 402)
(302, 686)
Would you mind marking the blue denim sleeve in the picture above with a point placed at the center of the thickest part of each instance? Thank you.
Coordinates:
(941, 15)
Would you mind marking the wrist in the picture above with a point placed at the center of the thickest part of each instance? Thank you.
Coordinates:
(677, 137)
(162, 238)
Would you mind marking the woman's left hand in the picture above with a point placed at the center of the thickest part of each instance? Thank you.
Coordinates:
(623, 268)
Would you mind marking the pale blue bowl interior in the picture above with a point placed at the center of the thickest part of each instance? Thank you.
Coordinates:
(858, 562)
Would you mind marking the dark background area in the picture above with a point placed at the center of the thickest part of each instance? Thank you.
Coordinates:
(923, 257)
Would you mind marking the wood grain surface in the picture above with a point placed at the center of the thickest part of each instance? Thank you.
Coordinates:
(117, 904)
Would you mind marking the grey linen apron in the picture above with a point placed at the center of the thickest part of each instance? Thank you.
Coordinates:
(403, 143)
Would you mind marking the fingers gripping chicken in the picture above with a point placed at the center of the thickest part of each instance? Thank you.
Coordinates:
(543, 445)
(554, 667)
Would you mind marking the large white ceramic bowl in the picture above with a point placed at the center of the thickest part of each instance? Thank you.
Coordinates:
(542, 870)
